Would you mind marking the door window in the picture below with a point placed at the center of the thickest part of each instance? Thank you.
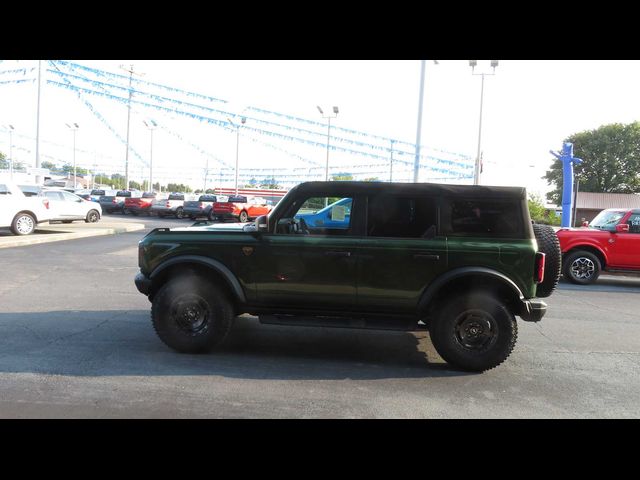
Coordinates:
(634, 223)
(319, 216)
(54, 196)
(402, 217)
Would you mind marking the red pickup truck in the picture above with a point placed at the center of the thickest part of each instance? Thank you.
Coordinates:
(611, 243)
(139, 205)
(241, 208)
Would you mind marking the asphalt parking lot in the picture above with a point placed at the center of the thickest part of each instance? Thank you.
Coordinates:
(76, 342)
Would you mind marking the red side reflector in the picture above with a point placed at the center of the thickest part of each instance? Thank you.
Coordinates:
(540, 261)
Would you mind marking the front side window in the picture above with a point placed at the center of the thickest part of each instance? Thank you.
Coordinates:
(634, 223)
(319, 216)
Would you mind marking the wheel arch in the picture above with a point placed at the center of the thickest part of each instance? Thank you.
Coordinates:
(208, 267)
(470, 279)
(587, 248)
(35, 217)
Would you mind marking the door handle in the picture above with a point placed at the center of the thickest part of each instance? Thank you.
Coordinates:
(426, 256)
(332, 253)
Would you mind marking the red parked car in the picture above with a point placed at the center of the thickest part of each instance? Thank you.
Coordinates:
(611, 243)
(241, 208)
(140, 205)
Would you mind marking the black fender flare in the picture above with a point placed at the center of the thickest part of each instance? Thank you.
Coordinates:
(216, 265)
(434, 287)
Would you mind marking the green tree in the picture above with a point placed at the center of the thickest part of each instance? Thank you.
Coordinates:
(611, 161)
(50, 165)
(4, 163)
(539, 214)
(341, 177)
(269, 183)
(68, 168)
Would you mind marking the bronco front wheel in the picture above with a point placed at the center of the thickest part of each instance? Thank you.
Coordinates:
(474, 332)
(191, 314)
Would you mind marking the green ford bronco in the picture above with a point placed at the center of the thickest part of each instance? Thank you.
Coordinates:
(460, 261)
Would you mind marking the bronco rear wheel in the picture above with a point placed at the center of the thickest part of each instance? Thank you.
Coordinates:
(474, 332)
(191, 314)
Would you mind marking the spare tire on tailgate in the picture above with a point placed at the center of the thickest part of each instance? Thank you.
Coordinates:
(548, 244)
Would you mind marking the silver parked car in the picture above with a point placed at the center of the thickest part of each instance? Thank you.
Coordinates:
(67, 207)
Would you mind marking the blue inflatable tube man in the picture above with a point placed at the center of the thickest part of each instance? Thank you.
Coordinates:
(568, 160)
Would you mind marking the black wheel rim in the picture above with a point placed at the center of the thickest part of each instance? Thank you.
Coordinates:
(475, 330)
(191, 314)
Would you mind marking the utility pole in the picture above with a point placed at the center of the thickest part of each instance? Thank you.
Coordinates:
(38, 121)
(391, 164)
(126, 158)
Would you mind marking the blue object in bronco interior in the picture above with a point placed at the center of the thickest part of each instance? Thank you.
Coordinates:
(325, 218)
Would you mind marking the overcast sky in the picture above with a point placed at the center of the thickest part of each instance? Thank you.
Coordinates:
(529, 108)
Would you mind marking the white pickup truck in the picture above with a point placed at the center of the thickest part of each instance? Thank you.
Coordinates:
(19, 212)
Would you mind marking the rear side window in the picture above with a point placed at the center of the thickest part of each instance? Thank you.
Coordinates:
(176, 196)
(484, 217)
(402, 217)
(3, 189)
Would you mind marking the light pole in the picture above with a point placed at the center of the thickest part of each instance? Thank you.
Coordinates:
(126, 158)
(329, 117)
(74, 127)
(151, 125)
(243, 120)
(416, 163)
(11, 129)
(472, 64)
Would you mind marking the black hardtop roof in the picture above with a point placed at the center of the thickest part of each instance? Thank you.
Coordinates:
(397, 188)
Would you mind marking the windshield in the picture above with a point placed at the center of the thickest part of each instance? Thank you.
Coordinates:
(607, 219)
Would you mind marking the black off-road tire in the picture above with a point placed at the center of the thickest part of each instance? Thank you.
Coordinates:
(548, 244)
(212, 311)
(578, 264)
(452, 331)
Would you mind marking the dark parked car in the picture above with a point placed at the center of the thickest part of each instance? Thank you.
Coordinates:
(203, 207)
(115, 203)
(460, 261)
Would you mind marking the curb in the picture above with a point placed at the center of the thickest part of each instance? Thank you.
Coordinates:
(53, 235)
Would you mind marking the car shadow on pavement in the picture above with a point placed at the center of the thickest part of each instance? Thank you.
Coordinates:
(608, 283)
(120, 342)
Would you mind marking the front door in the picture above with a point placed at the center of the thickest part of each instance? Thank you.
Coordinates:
(307, 267)
(624, 251)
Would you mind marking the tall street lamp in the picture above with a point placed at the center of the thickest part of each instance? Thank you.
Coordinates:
(472, 64)
(151, 125)
(329, 117)
(74, 127)
(243, 120)
(11, 129)
(416, 163)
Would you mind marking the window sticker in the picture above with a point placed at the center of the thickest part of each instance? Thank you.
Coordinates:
(338, 213)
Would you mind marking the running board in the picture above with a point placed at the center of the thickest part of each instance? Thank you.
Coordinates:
(389, 323)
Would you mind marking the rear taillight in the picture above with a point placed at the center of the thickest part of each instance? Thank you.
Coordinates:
(114, 201)
(46, 203)
(168, 205)
(539, 272)
(200, 205)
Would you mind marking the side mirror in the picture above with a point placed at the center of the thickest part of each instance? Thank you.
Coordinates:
(262, 224)
(622, 227)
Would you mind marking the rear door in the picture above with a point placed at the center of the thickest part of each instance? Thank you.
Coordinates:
(402, 252)
(56, 205)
